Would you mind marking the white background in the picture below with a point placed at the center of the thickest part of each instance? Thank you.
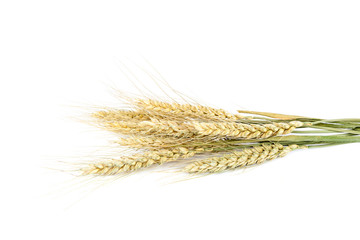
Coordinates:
(295, 57)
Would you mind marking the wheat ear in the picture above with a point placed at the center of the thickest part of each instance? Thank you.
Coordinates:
(141, 160)
(155, 127)
(159, 127)
(249, 156)
(113, 115)
(176, 110)
(247, 131)
(151, 142)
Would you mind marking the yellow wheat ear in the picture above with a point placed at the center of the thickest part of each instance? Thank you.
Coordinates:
(160, 127)
(184, 111)
(247, 131)
(141, 160)
(248, 156)
(113, 115)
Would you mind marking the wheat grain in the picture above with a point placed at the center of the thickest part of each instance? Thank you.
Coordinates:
(249, 156)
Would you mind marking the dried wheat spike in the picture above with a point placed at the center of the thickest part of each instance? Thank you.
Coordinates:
(247, 131)
(249, 156)
(155, 127)
(141, 160)
(151, 142)
(121, 115)
(147, 142)
(159, 127)
(176, 110)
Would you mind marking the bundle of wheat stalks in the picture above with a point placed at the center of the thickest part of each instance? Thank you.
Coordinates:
(167, 132)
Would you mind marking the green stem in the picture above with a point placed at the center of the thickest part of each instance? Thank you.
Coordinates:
(340, 138)
(341, 130)
(324, 145)
(312, 131)
(347, 120)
